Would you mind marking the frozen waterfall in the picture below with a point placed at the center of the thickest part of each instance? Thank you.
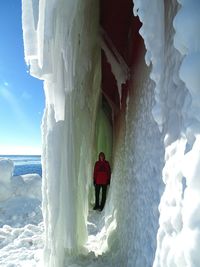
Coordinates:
(122, 77)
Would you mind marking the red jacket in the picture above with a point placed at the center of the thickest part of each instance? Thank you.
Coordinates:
(102, 172)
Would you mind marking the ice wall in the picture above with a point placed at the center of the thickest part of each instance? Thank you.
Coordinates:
(136, 182)
(176, 112)
(61, 49)
(152, 31)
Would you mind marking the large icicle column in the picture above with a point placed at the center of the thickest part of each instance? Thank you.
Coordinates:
(176, 74)
(179, 232)
(60, 39)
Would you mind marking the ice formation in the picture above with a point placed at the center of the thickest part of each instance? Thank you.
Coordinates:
(118, 65)
(6, 170)
(72, 91)
(155, 141)
(178, 236)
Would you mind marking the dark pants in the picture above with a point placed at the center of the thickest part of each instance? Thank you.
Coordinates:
(97, 192)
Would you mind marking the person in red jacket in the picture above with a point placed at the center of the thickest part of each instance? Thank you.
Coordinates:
(101, 176)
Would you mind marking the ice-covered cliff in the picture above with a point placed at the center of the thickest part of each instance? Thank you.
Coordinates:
(137, 98)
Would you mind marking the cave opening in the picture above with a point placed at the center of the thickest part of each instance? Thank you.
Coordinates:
(125, 84)
(122, 48)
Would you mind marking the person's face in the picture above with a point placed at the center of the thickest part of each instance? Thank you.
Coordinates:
(101, 158)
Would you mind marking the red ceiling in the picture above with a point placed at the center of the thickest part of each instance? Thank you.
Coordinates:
(117, 20)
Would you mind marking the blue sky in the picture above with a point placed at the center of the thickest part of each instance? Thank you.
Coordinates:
(21, 96)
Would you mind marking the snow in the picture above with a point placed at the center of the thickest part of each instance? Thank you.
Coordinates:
(152, 31)
(154, 190)
(178, 235)
(20, 202)
(6, 167)
(21, 241)
(21, 246)
(187, 24)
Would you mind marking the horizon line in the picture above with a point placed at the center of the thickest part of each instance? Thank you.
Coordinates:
(20, 155)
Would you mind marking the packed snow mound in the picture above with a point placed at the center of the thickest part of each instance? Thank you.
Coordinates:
(20, 197)
(6, 170)
(21, 240)
(28, 185)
